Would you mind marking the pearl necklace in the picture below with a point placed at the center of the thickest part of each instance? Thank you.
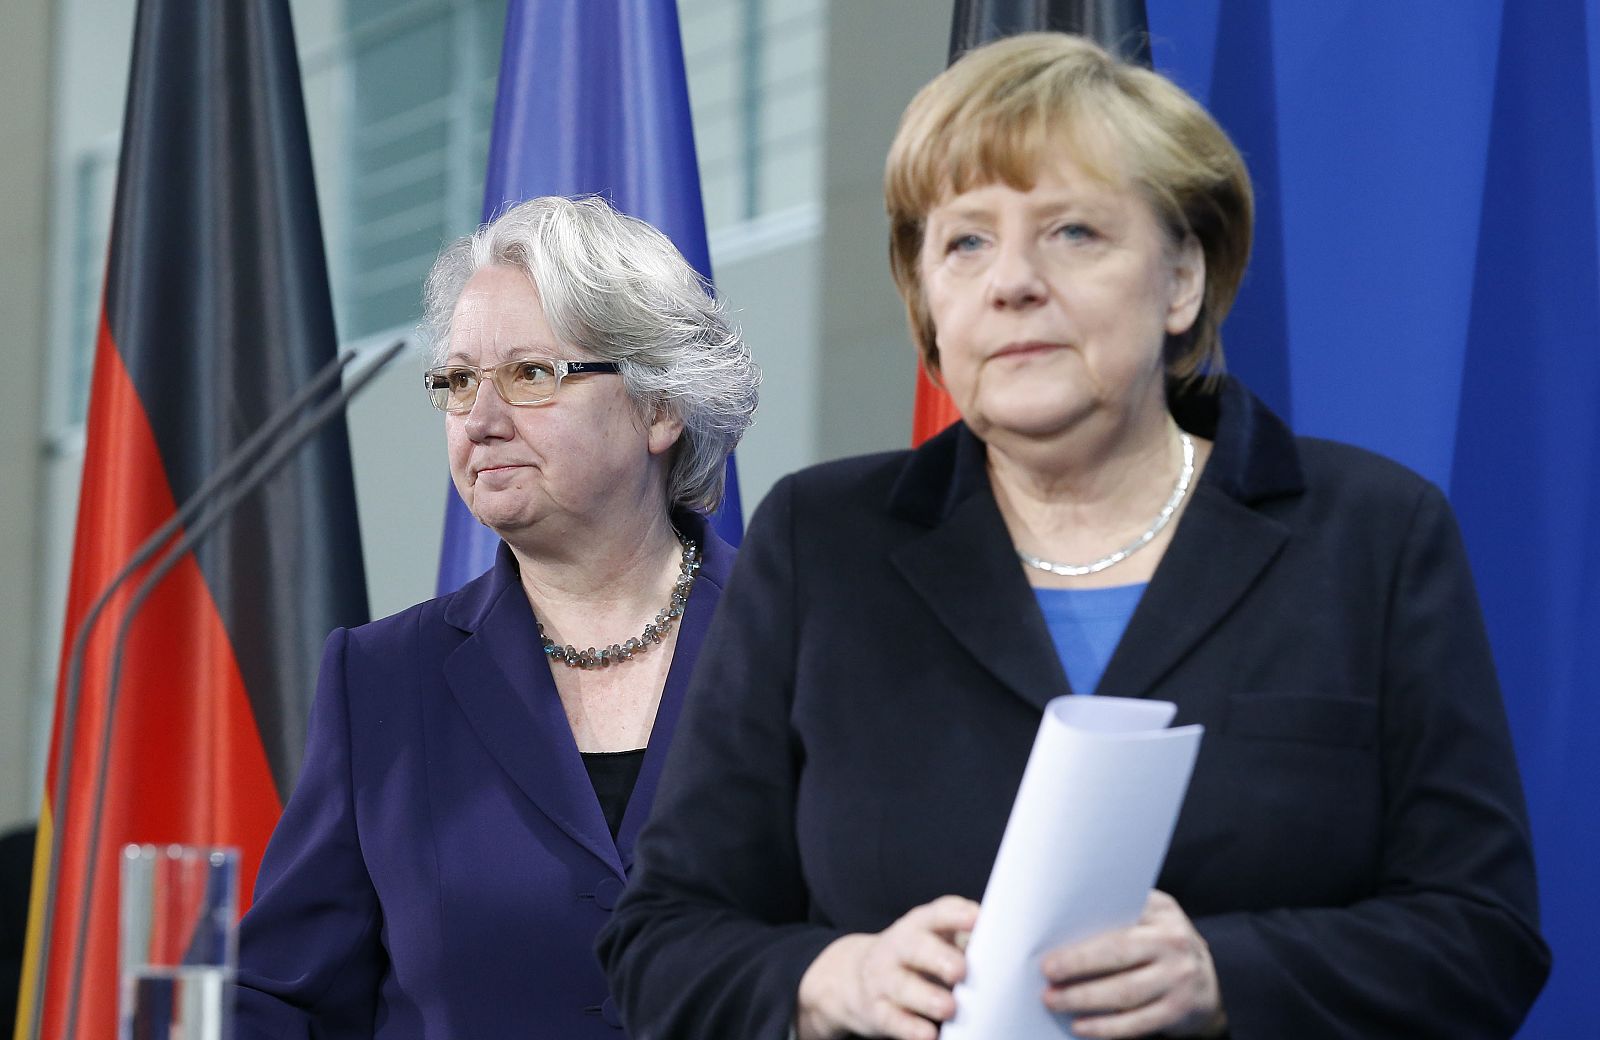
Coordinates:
(1179, 490)
(654, 632)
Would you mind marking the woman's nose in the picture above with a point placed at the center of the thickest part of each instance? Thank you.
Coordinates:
(1014, 277)
(489, 417)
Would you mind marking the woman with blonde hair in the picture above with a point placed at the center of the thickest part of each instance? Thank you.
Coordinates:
(1112, 515)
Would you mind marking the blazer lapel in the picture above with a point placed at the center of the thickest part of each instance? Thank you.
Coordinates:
(501, 680)
(1224, 542)
(966, 572)
(1220, 549)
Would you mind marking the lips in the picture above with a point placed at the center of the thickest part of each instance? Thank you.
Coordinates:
(496, 470)
(1026, 348)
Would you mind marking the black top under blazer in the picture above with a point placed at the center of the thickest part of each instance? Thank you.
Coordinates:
(1354, 846)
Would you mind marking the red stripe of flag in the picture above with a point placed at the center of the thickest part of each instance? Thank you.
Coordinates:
(187, 764)
(933, 410)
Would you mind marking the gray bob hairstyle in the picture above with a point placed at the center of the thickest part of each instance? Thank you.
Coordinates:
(618, 288)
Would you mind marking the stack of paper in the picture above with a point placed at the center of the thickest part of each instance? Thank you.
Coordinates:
(1083, 846)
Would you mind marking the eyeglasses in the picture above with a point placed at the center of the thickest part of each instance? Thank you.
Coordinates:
(525, 381)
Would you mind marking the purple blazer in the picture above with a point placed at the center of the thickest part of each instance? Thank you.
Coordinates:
(443, 865)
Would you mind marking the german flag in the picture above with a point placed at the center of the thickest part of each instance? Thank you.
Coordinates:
(216, 311)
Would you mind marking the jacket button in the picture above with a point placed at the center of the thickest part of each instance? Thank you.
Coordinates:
(607, 892)
(609, 1015)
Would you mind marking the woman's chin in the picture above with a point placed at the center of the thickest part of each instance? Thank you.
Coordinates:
(1032, 421)
(502, 517)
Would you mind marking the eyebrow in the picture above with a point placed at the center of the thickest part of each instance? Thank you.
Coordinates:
(967, 212)
(512, 354)
(1089, 205)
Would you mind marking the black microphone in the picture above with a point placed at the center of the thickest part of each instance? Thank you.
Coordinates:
(212, 502)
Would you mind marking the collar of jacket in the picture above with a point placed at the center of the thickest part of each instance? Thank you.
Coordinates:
(963, 566)
(469, 607)
(1253, 457)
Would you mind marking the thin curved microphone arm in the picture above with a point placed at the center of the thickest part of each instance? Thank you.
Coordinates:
(73, 688)
(211, 508)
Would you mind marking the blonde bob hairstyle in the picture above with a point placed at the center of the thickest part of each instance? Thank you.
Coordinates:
(1008, 109)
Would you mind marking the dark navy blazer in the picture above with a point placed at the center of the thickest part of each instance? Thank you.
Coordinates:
(1353, 845)
(443, 865)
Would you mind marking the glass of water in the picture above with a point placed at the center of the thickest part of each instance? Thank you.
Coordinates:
(179, 942)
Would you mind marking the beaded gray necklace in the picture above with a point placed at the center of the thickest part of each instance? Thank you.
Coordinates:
(654, 632)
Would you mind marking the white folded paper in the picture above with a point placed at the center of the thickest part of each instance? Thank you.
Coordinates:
(1087, 834)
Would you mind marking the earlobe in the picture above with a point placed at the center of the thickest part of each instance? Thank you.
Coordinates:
(665, 429)
(1188, 286)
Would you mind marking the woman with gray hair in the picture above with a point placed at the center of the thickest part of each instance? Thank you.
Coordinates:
(478, 766)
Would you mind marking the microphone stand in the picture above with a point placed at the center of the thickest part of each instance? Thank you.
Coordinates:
(212, 510)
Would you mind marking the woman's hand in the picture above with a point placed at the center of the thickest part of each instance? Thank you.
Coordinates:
(1155, 977)
(892, 984)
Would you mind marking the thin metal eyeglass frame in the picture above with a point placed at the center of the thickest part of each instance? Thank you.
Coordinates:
(561, 368)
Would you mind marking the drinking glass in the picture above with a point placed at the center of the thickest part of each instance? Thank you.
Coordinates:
(179, 942)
